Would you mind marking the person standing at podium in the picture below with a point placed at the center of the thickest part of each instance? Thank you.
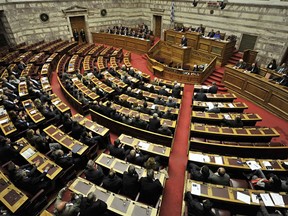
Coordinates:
(183, 41)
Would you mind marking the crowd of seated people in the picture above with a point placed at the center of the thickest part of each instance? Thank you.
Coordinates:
(141, 31)
(282, 70)
(181, 28)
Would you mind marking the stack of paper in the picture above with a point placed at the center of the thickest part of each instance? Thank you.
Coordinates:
(28, 153)
(243, 197)
(253, 165)
(267, 200)
(143, 145)
(254, 198)
(218, 160)
(196, 189)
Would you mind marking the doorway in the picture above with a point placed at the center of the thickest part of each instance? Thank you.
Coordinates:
(77, 23)
(247, 42)
(157, 25)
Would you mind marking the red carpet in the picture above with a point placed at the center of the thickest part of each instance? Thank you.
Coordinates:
(173, 192)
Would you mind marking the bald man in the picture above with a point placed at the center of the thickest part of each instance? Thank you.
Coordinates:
(220, 177)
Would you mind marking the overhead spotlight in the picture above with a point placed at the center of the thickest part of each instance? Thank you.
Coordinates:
(222, 5)
(195, 3)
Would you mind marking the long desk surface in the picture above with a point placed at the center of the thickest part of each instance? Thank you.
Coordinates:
(224, 107)
(153, 148)
(230, 194)
(238, 163)
(249, 119)
(65, 140)
(116, 203)
(11, 196)
(6, 124)
(225, 97)
(32, 111)
(129, 43)
(258, 89)
(30, 154)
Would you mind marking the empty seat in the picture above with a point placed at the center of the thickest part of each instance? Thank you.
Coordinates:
(239, 183)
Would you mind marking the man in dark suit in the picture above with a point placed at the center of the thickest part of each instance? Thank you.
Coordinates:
(91, 206)
(211, 34)
(176, 91)
(112, 182)
(169, 115)
(64, 160)
(282, 80)
(117, 150)
(159, 100)
(213, 89)
(7, 150)
(200, 96)
(236, 123)
(183, 41)
(137, 122)
(171, 102)
(135, 156)
(198, 173)
(130, 186)
(240, 64)
(154, 123)
(215, 109)
(220, 177)
(163, 91)
(253, 68)
(197, 208)
(200, 29)
(145, 109)
(94, 173)
(165, 130)
(150, 189)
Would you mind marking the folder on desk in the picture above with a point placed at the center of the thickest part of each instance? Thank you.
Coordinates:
(76, 148)
(267, 199)
(243, 197)
(277, 199)
(253, 165)
(196, 189)
(28, 153)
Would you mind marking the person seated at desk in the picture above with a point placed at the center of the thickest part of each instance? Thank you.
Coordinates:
(272, 65)
(21, 66)
(7, 150)
(282, 69)
(199, 173)
(91, 206)
(159, 100)
(200, 29)
(135, 156)
(253, 68)
(176, 91)
(38, 140)
(64, 208)
(240, 64)
(213, 89)
(197, 208)
(163, 91)
(112, 182)
(117, 150)
(154, 123)
(214, 109)
(139, 123)
(264, 212)
(169, 115)
(217, 35)
(171, 102)
(150, 189)
(88, 139)
(211, 33)
(145, 109)
(94, 173)
(165, 130)
(130, 183)
(282, 80)
(183, 41)
(65, 160)
(200, 96)
(220, 177)
(195, 68)
(236, 123)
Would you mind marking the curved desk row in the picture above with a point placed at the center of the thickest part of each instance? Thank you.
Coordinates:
(119, 128)
(259, 90)
(224, 107)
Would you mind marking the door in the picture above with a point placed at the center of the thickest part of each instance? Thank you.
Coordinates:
(247, 42)
(157, 26)
(77, 23)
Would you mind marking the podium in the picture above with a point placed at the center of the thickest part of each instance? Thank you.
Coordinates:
(180, 54)
(158, 71)
(249, 56)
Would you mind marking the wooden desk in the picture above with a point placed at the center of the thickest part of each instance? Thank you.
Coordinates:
(59, 104)
(114, 80)
(65, 140)
(234, 134)
(236, 163)
(225, 97)
(45, 83)
(31, 155)
(46, 69)
(228, 195)
(96, 51)
(84, 89)
(120, 166)
(116, 203)
(125, 42)
(100, 84)
(248, 119)
(131, 78)
(11, 196)
(32, 111)
(74, 64)
(143, 145)
(23, 89)
(7, 126)
(224, 107)
(259, 90)
(91, 125)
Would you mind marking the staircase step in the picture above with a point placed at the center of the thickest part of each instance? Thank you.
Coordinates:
(235, 58)
(215, 78)
(233, 62)
(209, 82)
(238, 54)
(220, 75)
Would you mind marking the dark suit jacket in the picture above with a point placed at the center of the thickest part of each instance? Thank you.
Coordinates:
(130, 186)
(112, 184)
(94, 175)
(96, 208)
(213, 89)
(253, 70)
(139, 123)
(200, 96)
(117, 152)
(195, 208)
(176, 92)
(221, 180)
(150, 191)
(154, 124)
(184, 41)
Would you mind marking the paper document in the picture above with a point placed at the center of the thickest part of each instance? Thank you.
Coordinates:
(199, 157)
(231, 105)
(254, 198)
(218, 160)
(143, 145)
(277, 199)
(268, 165)
(33, 112)
(28, 153)
(210, 105)
(243, 197)
(56, 102)
(205, 87)
(153, 106)
(196, 189)
(3, 121)
(253, 165)
(267, 199)
(227, 116)
(221, 105)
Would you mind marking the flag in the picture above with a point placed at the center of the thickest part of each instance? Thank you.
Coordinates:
(172, 15)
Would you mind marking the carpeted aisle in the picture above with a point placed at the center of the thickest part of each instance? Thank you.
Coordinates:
(172, 198)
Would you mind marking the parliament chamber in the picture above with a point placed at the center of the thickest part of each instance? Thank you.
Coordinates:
(129, 119)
